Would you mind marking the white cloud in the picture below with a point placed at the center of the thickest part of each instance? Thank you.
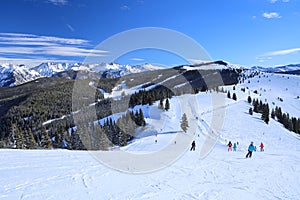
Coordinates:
(125, 7)
(23, 47)
(58, 2)
(271, 15)
(273, 1)
(13, 37)
(282, 52)
(137, 59)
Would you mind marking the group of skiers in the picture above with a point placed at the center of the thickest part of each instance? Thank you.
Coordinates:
(251, 148)
(233, 147)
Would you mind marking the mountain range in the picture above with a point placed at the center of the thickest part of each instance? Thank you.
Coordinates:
(12, 75)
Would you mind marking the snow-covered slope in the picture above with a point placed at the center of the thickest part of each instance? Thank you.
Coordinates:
(272, 174)
(11, 75)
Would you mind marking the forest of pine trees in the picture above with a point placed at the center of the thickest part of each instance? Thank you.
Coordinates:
(290, 123)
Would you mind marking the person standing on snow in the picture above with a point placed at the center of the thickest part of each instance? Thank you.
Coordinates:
(261, 146)
(251, 148)
(193, 146)
(229, 146)
(234, 147)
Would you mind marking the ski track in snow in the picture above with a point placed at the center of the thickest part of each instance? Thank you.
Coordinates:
(272, 174)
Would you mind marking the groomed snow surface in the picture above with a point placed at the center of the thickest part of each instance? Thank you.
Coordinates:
(272, 174)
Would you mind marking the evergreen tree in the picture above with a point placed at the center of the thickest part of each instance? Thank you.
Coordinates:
(141, 118)
(184, 123)
(250, 111)
(249, 99)
(161, 104)
(255, 106)
(234, 97)
(46, 141)
(204, 88)
(31, 141)
(228, 95)
(265, 113)
(19, 137)
(167, 105)
(273, 114)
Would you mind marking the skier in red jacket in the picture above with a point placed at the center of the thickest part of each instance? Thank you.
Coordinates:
(261, 146)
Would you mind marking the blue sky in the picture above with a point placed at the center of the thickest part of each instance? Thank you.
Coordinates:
(246, 32)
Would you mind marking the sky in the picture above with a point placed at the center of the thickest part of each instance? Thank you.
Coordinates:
(245, 32)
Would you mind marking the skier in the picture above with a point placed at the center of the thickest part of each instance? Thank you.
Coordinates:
(234, 147)
(251, 148)
(193, 146)
(261, 146)
(229, 146)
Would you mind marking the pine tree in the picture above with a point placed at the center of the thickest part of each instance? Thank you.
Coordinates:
(184, 123)
(250, 111)
(167, 105)
(265, 113)
(204, 88)
(249, 100)
(19, 137)
(273, 114)
(46, 141)
(234, 97)
(228, 95)
(142, 121)
(31, 141)
(161, 104)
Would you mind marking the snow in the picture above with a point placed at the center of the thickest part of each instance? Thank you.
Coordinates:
(278, 69)
(11, 75)
(272, 174)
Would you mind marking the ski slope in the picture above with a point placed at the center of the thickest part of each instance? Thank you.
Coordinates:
(272, 174)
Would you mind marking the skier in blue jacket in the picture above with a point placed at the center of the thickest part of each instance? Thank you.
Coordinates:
(251, 148)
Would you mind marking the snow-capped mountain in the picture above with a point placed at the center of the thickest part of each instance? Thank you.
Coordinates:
(114, 70)
(280, 69)
(49, 69)
(106, 70)
(11, 75)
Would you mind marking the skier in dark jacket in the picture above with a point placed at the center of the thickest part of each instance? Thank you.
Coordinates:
(193, 146)
(251, 148)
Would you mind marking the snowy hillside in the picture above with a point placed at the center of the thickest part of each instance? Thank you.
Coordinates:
(272, 174)
(219, 65)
